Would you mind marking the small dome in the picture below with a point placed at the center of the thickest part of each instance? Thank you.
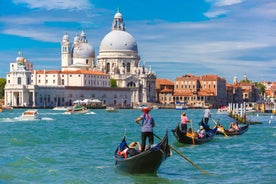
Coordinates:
(118, 15)
(118, 40)
(65, 37)
(83, 50)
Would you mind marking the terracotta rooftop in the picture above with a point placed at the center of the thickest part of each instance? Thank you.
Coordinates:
(166, 90)
(164, 81)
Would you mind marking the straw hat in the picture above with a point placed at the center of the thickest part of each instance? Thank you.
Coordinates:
(132, 145)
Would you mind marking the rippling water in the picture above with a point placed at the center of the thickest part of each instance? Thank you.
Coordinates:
(62, 148)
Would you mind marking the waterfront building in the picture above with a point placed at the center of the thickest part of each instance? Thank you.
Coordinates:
(164, 91)
(200, 91)
(234, 94)
(250, 93)
(81, 78)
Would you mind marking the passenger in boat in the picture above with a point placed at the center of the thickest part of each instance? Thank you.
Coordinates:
(234, 127)
(184, 121)
(205, 126)
(147, 127)
(134, 148)
(201, 132)
(207, 115)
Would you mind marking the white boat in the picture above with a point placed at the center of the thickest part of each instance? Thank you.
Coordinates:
(181, 106)
(155, 107)
(222, 110)
(62, 108)
(77, 110)
(111, 109)
(30, 115)
(142, 106)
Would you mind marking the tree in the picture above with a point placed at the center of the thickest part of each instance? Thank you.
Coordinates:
(113, 83)
(260, 86)
(2, 86)
(245, 81)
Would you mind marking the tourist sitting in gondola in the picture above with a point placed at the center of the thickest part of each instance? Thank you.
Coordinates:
(205, 126)
(201, 132)
(234, 127)
(134, 148)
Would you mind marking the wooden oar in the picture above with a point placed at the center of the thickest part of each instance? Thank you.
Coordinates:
(193, 138)
(223, 129)
(183, 156)
(179, 153)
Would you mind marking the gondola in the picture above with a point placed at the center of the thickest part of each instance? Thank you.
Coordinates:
(147, 161)
(232, 133)
(191, 138)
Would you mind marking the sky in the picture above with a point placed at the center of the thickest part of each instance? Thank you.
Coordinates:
(223, 37)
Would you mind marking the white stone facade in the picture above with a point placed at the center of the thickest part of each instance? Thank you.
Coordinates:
(81, 78)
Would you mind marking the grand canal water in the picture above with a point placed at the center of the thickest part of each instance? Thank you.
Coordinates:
(62, 148)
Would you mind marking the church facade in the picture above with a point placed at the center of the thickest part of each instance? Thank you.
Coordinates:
(83, 76)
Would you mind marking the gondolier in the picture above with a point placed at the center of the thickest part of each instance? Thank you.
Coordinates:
(147, 127)
(207, 115)
(184, 121)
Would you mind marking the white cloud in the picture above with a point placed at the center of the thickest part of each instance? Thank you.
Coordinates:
(224, 2)
(36, 34)
(214, 14)
(227, 2)
(55, 4)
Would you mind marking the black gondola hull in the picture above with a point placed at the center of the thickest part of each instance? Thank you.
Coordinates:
(183, 138)
(146, 162)
(233, 133)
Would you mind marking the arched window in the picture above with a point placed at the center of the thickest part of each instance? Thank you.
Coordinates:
(107, 67)
(128, 67)
(131, 84)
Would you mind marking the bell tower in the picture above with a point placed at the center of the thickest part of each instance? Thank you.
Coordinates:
(65, 51)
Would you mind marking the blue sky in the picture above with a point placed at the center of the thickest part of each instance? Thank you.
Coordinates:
(223, 37)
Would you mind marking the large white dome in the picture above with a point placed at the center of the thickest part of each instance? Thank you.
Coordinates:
(83, 50)
(118, 40)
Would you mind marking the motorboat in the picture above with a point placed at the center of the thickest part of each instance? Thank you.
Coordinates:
(111, 109)
(181, 106)
(30, 115)
(222, 110)
(62, 108)
(77, 110)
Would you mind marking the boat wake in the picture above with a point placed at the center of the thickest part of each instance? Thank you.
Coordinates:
(47, 119)
(7, 120)
(90, 113)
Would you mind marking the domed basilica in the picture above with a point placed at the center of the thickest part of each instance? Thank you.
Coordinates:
(83, 75)
(118, 57)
